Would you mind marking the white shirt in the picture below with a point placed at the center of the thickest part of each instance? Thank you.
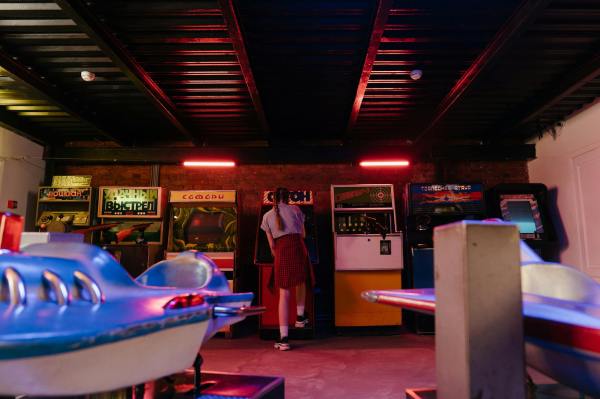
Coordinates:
(292, 217)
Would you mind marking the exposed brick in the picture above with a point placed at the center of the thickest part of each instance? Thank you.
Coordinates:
(251, 180)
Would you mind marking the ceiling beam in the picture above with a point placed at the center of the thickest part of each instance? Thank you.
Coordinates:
(381, 17)
(541, 102)
(527, 12)
(45, 90)
(239, 46)
(9, 120)
(89, 23)
(283, 155)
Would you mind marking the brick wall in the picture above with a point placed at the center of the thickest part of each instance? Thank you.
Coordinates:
(251, 180)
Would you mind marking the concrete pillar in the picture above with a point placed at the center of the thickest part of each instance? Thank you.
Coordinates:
(479, 327)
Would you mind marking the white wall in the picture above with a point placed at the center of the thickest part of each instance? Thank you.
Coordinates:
(570, 166)
(21, 172)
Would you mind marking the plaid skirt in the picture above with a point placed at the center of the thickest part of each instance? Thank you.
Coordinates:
(292, 264)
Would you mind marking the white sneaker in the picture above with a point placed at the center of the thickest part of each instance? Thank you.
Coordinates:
(283, 344)
(301, 322)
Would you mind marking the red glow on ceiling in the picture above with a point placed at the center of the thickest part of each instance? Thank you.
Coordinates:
(209, 164)
(396, 163)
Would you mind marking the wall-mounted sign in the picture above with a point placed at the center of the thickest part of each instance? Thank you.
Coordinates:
(297, 197)
(376, 196)
(227, 196)
(71, 181)
(65, 193)
(130, 202)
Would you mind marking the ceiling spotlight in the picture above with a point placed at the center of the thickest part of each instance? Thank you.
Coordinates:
(88, 76)
(416, 74)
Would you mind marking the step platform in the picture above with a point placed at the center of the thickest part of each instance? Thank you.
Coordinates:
(214, 385)
(217, 385)
(542, 391)
(225, 385)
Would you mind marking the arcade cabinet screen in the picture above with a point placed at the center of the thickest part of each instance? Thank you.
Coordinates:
(206, 229)
(523, 210)
(446, 199)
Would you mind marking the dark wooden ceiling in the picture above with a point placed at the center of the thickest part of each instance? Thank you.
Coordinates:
(270, 73)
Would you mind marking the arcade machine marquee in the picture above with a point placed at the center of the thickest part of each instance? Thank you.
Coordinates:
(368, 252)
(137, 240)
(269, 321)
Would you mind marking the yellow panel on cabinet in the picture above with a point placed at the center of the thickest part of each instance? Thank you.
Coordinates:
(353, 311)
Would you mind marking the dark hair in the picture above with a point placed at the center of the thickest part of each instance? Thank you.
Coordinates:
(281, 194)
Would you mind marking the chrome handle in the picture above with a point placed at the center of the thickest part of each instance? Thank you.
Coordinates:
(86, 284)
(13, 289)
(226, 311)
(56, 289)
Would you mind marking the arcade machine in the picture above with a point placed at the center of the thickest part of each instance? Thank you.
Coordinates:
(269, 322)
(427, 206)
(368, 252)
(205, 221)
(527, 206)
(136, 241)
(65, 205)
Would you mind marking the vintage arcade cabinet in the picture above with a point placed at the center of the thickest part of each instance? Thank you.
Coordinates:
(368, 252)
(65, 205)
(269, 321)
(205, 221)
(527, 206)
(427, 206)
(137, 240)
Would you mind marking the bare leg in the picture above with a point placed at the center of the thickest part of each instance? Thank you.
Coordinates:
(300, 298)
(284, 317)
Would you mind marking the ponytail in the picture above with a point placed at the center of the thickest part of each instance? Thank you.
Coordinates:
(278, 219)
(281, 195)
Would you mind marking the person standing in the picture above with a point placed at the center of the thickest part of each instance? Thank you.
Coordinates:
(284, 227)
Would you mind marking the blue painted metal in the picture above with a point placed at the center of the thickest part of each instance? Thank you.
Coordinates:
(128, 309)
(193, 269)
(561, 312)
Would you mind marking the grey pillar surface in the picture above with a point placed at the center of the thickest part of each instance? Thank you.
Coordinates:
(479, 327)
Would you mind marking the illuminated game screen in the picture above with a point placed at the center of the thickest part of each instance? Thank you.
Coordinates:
(523, 210)
(446, 199)
(204, 228)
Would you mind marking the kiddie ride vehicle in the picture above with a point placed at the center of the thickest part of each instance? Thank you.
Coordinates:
(561, 311)
(73, 322)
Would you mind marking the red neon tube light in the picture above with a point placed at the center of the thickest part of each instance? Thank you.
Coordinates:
(385, 164)
(209, 164)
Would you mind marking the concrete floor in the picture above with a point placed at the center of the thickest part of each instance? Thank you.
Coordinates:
(336, 367)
